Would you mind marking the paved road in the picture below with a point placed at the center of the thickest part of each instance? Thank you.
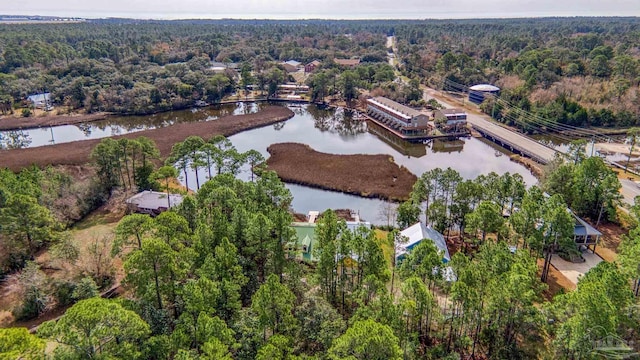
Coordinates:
(629, 190)
(518, 141)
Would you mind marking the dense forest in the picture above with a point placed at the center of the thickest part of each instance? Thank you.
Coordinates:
(218, 277)
(147, 67)
(579, 71)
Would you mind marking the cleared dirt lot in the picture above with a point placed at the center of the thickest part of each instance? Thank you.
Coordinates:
(75, 153)
(374, 176)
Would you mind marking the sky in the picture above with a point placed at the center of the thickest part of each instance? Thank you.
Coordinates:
(325, 9)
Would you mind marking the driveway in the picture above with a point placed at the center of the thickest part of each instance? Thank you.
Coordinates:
(573, 271)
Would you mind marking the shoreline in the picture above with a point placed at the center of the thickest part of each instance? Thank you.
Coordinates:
(77, 152)
(369, 176)
(17, 123)
(38, 122)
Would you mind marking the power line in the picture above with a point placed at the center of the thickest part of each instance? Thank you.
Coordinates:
(539, 123)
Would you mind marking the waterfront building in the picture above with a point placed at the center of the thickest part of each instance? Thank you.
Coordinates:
(450, 120)
(397, 116)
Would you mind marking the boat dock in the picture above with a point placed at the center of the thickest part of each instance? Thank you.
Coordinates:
(421, 139)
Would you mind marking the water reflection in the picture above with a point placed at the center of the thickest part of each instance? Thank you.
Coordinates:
(337, 121)
(470, 157)
(118, 125)
(15, 139)
(447, 146)
(85, 128)
(330, 131)
(401, 146)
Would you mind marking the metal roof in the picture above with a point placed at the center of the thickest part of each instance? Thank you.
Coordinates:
(395, 108)
(154, 200)
(452, 112)
(484, 87)
(37, 98)
(347, 62)
(418, 232)
(582, 228)
(293, 63)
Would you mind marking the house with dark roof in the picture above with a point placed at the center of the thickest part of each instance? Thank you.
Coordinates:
(584, 235)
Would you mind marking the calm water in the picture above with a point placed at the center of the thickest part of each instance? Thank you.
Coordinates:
(124, 124)
(331, 131)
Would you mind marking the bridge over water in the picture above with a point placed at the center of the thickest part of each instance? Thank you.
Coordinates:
(512, 140)
(508, 138)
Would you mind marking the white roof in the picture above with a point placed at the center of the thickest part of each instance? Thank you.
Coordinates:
(154, 200)
(393, 107)
(293, 63)
(418, 232)
(39, 97)
(456, 112)
(484, 87)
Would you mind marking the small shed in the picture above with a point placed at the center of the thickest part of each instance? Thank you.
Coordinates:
(417, 233)
(152, 202)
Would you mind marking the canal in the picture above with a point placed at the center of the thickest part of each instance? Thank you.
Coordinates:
(326, 130)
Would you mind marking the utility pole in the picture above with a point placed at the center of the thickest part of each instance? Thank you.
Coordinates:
(633, 133)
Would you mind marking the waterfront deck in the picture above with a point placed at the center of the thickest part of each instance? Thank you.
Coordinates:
(423, 138)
